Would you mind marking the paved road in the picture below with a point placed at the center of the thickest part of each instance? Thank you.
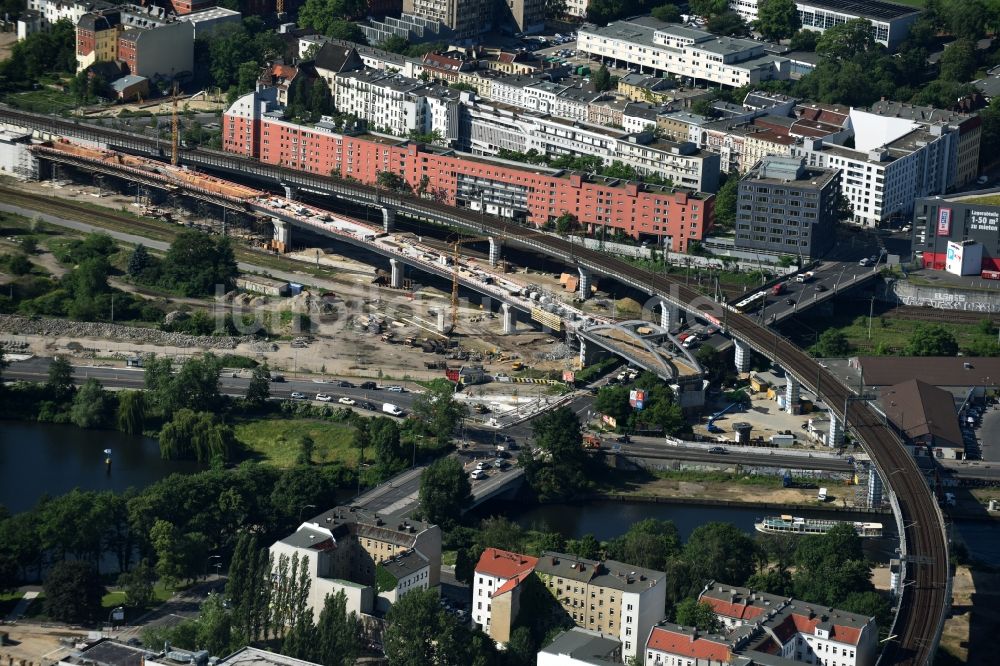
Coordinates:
(769, 457)
(182, 606)
(989, 435)
(36, 370)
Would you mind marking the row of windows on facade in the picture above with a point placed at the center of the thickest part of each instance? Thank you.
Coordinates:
(775, 240)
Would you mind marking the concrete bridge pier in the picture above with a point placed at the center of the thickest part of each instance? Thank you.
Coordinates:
(791, 394)
(509, 318)
(440, 320)
(742, 356)
(282, 235)
(836, 439)
(396, 277)
(496, 247)
(388, 219)
(584, 283)
(290, 191)
(590, 354)
(669, 315)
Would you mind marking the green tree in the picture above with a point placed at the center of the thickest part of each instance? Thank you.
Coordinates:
(322, 14)
(139, 261)
(91, 405)
(847, 40)
(777, 19)
(196, 435)
(419, 632)
(649, 543)
(804, 40)
(197, 264)
(18, 264)
(601, 79)
(73, 592)
(346, 30)
(728, 24)
(138, 585)
(214, 627)
(558, 472)
(725, 202)
(869, 604)
(931, 340)
(587, 547)
(438, 411)
(59, 384)
(566, 223)
(613, 401)
(690, 613)
(831, 344)
(338, 637)
(958, 62)
(166, 542)
(395, 44)
(667, 13)
(774, 581)
(131, 412)
(444, 491)
(720, 551)
(830, 567)
(708, 7)
(259, 388)
(968, 19)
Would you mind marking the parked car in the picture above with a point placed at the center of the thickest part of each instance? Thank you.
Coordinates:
(347, 401)
(477, 474)
(298, 396)
(323, 397)
(481, 465)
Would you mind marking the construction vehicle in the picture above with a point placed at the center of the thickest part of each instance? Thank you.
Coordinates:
(517, 365)
(592, 442)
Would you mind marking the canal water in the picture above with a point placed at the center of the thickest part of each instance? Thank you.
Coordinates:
(43, 458)
(608, 519)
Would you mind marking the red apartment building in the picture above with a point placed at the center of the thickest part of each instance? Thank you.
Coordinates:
(527, 194)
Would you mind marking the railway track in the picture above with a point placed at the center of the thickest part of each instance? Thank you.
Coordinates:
(923, 602)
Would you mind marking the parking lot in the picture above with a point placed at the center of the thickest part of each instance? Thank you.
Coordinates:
(980, 435)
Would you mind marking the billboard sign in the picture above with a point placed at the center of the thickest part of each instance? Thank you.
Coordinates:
(944, 222)
(953, 260)
(637, 398)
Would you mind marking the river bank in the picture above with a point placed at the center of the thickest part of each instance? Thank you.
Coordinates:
(723, 490)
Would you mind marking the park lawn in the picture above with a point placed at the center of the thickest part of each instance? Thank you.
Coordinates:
(894, 334)
(277, 440)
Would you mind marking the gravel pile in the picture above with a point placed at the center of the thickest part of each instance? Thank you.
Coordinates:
(56, 328)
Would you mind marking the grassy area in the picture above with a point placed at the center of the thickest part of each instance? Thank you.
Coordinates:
(7, 603)
(889, 335)
(449, 557)
(277, 440)
(116, 598)
(696, 476)
(45, 100)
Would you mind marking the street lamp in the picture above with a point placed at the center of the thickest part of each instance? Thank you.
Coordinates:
(117, 614)
(217, 564)
(303, 508)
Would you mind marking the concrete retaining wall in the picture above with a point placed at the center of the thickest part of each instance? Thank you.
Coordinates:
(942, 298)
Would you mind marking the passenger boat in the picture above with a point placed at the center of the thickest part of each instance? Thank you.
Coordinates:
(795, 525)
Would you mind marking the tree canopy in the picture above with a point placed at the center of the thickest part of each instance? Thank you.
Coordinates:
(197, 264)
(73, 592)
(777, 19)
(932, 340)
(444, 491)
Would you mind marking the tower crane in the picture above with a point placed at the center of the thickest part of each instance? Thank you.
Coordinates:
(174, 129)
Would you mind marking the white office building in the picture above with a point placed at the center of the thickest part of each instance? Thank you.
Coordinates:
(890, 21)
(654, 47)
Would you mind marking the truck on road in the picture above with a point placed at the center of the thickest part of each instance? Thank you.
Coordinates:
(392, 409)
(778, 289)
(805, 277)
